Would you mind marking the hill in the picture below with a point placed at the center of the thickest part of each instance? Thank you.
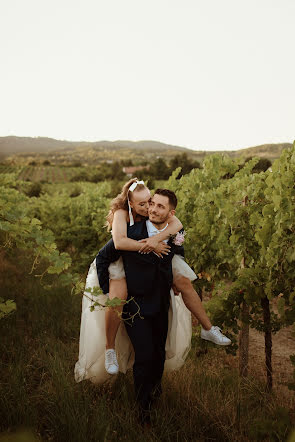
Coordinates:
(12, 145)
(270, 151)
(24, 149)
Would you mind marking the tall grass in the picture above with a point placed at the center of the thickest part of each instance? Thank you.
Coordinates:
(204, 401)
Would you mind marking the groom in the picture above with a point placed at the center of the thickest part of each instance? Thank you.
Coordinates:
(149, 280)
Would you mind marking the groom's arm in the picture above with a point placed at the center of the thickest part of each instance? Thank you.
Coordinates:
(104, 258)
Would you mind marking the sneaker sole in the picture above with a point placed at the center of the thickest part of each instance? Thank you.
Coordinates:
(222, 345)
(116, 372)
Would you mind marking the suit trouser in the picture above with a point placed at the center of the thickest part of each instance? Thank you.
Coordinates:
(148, 337)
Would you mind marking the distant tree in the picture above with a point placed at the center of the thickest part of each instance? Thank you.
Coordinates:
(142, 162)
(186, 164)
(143, 174)
(159, 170)
(116, 171)
(81, 176)
(126, 162)
(34, 190)
(109, 171)
(32, 163)
(97, 177)
(262, 165)
(46, 163)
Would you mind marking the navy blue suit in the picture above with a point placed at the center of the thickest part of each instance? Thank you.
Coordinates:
(149, 281)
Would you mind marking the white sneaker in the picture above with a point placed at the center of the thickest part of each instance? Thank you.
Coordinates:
(111, 363)
(215, 335)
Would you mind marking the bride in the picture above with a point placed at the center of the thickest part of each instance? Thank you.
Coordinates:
(104, 344)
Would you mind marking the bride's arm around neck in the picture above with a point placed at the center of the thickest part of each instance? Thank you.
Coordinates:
(122, 242)
(119, 232)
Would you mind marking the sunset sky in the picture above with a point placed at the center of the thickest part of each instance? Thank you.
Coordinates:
(203, 74)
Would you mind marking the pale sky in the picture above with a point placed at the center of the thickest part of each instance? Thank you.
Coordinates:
(203, 74)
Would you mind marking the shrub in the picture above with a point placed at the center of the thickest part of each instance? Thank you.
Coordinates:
(34, 190)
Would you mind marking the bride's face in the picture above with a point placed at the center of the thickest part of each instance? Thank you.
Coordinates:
(139, 202)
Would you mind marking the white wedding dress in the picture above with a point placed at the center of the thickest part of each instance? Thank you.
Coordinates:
(92, 331)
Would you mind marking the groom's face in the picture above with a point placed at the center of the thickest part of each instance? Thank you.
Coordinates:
(160, 210)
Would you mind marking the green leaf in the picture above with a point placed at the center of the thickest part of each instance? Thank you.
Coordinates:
(115, 302)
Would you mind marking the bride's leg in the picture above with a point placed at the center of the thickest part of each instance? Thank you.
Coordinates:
(193, 303)
(118, 289)
(192, 300)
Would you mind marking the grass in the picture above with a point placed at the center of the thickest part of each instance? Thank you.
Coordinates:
(204, 401)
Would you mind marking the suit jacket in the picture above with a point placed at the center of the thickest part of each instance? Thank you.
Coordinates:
(148, 277)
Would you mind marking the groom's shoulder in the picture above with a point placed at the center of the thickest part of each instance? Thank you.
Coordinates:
(108, 249)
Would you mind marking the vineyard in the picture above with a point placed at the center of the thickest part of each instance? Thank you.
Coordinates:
(240, 240)
(49, 174)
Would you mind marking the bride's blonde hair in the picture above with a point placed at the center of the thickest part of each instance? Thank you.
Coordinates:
(121, 200)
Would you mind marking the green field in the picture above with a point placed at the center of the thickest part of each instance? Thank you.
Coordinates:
(204, 400)
(49, 174)
(10, 169)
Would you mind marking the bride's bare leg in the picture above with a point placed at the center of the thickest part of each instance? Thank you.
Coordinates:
(193, 303)
(192, 300)
(118, 289)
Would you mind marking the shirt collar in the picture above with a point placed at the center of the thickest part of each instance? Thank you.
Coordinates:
(152, 229)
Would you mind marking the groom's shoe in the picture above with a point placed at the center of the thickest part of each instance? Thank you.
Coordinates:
(111, 363)
(215, 335)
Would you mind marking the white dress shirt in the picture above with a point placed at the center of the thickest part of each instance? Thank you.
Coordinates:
(152, 230)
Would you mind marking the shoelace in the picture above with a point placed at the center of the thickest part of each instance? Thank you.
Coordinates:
(111, 358)
(217, 330)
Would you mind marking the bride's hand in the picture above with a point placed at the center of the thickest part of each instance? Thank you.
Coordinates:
(149, 244)
(162, 249)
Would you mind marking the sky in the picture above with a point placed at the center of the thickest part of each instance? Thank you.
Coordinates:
(203, 74)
